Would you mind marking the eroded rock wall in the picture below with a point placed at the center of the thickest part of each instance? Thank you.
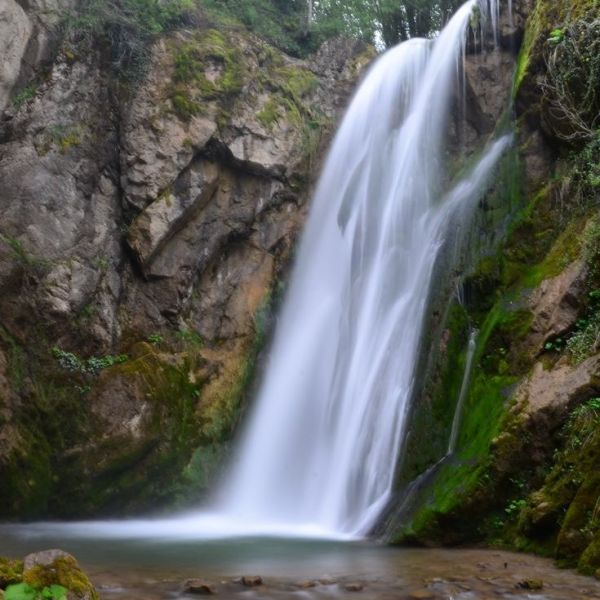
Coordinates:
(525, 471)
(145, 235)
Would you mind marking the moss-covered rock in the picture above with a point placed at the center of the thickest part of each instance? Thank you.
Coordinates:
(11, 571)
(47, 572)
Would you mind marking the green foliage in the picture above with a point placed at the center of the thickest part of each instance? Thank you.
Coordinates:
(555, 345)
(24, 591)
(188, 336)
(125, 28)
(25, 95)
(514, 507)
(585, 339)
(156, 339)
(90, 366)
(572, 83)
(282, 23)
(388, 20)
(556, 36)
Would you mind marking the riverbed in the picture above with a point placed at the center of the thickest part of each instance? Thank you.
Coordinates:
(152, 569)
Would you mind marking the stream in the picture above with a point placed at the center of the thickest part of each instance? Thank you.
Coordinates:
(152, 569)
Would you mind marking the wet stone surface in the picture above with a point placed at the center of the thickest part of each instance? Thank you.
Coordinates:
(400, 574)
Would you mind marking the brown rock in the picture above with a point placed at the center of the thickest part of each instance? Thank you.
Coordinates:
(555, 305)
(306, 584)
(252, 580)
(355, 586)
(198, 586)
(531, 584)
(421, 595)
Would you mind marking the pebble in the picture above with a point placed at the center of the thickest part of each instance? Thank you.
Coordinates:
(252, 580)
(306, 584)
(531, 584)
(421, 595)
(198, 586)
(355, 586)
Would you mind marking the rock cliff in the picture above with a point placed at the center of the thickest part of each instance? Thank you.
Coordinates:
(146, 227)
(524, 474)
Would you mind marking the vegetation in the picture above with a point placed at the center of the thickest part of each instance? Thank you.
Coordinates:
(90, 366)
(191, 86)
(58, 580)
(125, 28)
(572, 80)
(24, 96)
(24, 591)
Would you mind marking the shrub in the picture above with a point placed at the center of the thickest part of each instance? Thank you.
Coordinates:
(572, 83)
(126, 28)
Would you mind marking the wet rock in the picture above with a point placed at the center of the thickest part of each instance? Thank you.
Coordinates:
(531, 584)
(199, 586)
(155, 225)
(355, 586)
(133, 220)
(309, 583)
(251, 580)
(421, 595)
(49, 567)
(555, 305)
(11, 571)
(546, 396)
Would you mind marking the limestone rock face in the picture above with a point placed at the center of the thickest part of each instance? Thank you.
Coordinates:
(15, 29)
(143, 240)
(556, 303)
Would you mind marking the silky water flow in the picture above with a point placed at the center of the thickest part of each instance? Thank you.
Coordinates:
(318, 453)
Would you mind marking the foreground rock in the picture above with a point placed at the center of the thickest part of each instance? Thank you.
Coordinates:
(41, 570)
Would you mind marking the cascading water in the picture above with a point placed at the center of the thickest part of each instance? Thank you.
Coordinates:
(321, 444)
(318, 454)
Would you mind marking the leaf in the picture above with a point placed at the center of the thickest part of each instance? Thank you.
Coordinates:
(20, 591)
(55, 592)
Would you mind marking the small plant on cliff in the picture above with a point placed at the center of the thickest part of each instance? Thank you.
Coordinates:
(514, 507)
(156, 339)
(90, 366)
(26, 94)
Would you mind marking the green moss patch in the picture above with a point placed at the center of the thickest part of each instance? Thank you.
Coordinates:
(208, 66)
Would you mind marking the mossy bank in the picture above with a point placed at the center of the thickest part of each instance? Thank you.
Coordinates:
(524, 474)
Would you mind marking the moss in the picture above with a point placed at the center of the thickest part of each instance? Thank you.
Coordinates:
(208, 66)
(185, 108)
(269, 115)
(589, 562)
(460, 478)
(11, 571)
(63, 571)
(60, 137)
(432, 417)
(290, 88)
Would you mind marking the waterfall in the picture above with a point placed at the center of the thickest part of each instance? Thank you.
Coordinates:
(318, 454)
(320, 447)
